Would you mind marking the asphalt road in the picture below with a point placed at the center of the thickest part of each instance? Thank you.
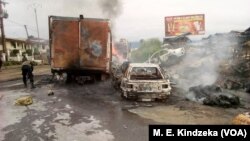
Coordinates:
(94, 112)
(90, 112)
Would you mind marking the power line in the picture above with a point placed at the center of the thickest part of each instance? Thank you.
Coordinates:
(17, 23)
(21, 25)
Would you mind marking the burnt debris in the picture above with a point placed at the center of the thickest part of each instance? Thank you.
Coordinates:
(214, 96)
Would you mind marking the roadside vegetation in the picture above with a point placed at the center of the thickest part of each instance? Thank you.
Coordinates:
(146, 49)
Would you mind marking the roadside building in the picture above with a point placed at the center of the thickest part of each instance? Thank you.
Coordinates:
(34, 49)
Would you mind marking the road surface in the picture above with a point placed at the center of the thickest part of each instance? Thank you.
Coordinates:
(92, 112)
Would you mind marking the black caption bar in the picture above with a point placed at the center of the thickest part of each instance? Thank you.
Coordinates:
(198, 132)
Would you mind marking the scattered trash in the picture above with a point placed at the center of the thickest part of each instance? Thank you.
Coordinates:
(242, 119)
(212, 95)
(50, 92)
(24, 101)
(124, 126)
(68, 106)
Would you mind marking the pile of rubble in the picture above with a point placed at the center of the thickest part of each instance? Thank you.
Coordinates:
(235, 74)
(214, 96)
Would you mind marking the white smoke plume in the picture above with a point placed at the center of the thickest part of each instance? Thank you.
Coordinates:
(201, 63)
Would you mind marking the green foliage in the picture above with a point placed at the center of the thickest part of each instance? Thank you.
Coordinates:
(29, 52)
(146, 49)
(14, 52)
(36, 51)
(34, 63)
(10, 63)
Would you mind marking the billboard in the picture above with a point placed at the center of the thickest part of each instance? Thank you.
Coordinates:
(176, 25)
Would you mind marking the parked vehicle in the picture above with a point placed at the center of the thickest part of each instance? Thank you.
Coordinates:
(144, 82)
(80, 47)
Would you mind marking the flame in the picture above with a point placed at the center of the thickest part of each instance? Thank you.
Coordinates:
(116, 53)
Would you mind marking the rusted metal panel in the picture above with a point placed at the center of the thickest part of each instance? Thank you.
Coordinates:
(65, 44)
(83, 44)
(94, 44)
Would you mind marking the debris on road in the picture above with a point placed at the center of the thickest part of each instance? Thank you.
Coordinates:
(212, 95)
(242, 119)
(124, 126)
(50, 92)
(24, 101)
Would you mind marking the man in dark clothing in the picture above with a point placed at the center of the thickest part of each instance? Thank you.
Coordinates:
(27, 69)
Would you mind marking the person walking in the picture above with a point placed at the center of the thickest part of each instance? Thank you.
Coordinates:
(27, 71)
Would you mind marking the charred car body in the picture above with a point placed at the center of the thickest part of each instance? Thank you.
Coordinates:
(144, 82)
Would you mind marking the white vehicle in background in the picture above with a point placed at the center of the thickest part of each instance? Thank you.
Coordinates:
(173, 50)
(162, 56)
(145, 82)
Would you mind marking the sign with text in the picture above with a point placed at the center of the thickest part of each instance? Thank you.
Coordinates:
(199, 132)
(176, 25)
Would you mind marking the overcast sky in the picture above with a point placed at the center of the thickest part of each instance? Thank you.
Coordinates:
(132, 19)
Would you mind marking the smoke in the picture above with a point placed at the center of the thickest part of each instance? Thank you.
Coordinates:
(22, 12)
(201, 63)
(111, 8)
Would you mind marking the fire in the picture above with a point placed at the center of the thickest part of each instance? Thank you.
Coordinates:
(117, 54)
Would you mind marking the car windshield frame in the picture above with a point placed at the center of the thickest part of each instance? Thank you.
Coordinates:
(145, 73)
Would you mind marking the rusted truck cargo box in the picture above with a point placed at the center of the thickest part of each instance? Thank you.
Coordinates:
(80, 45)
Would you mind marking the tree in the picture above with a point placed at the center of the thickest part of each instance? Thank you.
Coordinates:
(146, 49)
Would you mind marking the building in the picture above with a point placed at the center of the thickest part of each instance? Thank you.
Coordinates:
(34, 49)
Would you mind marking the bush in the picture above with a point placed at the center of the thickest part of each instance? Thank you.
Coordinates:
(34, 63)
(36, 51)
(14, 52)
(29, 52)
(146, 49)
(11, 63)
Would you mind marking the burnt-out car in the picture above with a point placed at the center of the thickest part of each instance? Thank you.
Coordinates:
(144, 82)
(118, 70)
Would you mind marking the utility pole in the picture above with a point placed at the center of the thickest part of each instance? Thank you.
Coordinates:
(37, 24)
(25, 26)
(35, 6)
(2, 29)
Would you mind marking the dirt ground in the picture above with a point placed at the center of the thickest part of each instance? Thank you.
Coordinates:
(94, 112)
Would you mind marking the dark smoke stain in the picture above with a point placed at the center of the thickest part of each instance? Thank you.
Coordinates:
(111, 8)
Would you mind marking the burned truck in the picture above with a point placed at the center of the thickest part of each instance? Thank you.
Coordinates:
(144, 82)
(80, 47)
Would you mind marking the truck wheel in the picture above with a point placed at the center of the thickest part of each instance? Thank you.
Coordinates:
(68, 79)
